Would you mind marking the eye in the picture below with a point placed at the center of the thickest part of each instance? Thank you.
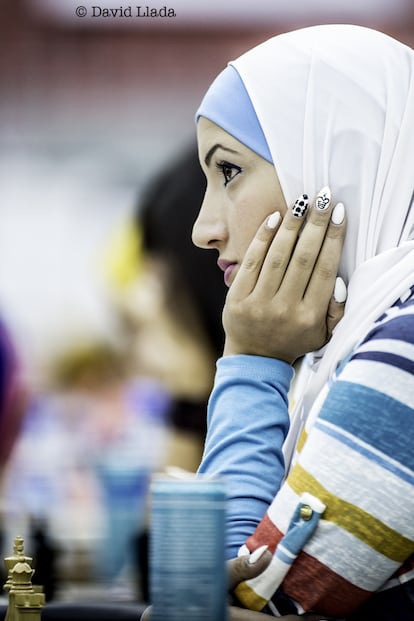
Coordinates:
(228, 170)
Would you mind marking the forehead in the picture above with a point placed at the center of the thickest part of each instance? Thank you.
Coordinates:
(209, 135)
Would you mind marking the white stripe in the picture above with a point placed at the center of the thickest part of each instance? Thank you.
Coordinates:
(286, 552)
(282, 507)
(384, 378)
(349, 557)
(269, 580)
(364, 445)
(360, 481)
(391, 346)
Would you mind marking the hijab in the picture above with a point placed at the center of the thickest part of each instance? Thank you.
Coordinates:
(334, 105)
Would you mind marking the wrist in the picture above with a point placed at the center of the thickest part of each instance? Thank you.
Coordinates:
(231, 350)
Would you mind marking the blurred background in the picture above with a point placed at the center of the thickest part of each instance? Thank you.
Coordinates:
(110, 319)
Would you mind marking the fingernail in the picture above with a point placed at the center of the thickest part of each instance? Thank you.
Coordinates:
(338, 214)
(273, 220)
(254, 556)
(340, 292)
(300, 206)
(323, 199)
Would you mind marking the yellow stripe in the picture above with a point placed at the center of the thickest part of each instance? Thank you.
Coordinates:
(249, 598)
(353, 519)
(302, 439)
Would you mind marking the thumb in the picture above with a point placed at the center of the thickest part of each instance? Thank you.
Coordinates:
(248, 566)
(336, 306)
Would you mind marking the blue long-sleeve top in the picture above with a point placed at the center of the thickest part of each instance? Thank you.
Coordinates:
(247, 423)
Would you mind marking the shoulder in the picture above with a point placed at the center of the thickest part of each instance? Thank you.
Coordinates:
(383, 362)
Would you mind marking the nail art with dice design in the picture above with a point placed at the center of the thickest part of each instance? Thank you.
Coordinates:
(300, 206)
(323, 199)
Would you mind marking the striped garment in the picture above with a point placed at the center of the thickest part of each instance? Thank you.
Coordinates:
(354, 475)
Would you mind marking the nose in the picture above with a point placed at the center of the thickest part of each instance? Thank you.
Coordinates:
(209, 230)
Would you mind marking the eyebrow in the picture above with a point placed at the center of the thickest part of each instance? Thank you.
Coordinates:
(213, 149)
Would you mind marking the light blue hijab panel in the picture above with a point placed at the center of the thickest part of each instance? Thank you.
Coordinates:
(228, 105)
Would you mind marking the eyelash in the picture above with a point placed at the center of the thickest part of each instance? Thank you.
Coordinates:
(226, 169)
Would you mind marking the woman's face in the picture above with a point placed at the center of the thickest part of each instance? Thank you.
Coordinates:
(242, 189)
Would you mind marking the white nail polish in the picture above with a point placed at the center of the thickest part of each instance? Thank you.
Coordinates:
(273, 220)
(254, 556)
(323, 199)
(340, 292)
(338, 214)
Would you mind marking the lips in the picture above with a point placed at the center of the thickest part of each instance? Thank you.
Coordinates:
(227, 267)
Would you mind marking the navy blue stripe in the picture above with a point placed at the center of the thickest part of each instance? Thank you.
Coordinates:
(374, 418)
(400, 328)
(391, 359)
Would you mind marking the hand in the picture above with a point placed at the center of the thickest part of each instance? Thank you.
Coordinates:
(239, 569)
(281, 303)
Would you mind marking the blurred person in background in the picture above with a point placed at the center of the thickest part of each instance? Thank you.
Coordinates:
(194, 291)
(171, 300)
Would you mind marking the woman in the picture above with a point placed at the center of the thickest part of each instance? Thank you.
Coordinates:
(327, 107)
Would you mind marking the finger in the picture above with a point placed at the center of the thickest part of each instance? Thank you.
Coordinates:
(282, 246)
(308, 247)
(247, 566)
(251, 265)
(322, 281)
(336, 306)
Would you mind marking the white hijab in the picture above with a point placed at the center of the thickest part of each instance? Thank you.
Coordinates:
(336, 105)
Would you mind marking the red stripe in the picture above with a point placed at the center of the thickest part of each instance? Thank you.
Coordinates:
(316, 587)
(265, 534)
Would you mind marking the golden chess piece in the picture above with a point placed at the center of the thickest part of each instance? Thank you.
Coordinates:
(18, 557)
(25, 602)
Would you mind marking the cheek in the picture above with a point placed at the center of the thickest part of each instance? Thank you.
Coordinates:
(255, 206)
(247, 218)
(272, 198)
